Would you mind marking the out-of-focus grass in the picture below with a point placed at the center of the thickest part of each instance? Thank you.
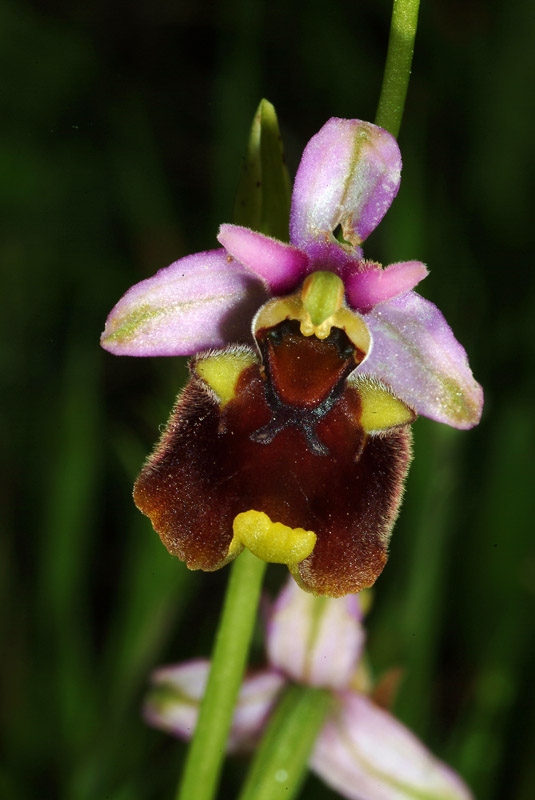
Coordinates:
(120, 150)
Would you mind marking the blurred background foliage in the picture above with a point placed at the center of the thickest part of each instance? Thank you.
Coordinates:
(123, 132)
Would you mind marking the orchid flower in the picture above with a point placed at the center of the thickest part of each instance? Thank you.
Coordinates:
(362, 751)
(297, 449)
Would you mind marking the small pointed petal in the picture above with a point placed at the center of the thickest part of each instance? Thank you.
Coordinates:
(363, 752)
(349, 174)
(280, 265)
(200, 301)
(415, 352)
(373, 285)
(173, 702)
(315, 640)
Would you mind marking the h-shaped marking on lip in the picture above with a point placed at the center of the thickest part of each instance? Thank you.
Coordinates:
(305, 419)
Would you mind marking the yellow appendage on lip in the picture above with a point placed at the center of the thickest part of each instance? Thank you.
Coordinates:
(270, 541)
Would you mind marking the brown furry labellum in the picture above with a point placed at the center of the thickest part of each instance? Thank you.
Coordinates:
(293, 432)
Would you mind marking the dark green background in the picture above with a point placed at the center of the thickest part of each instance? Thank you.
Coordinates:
(123, 130)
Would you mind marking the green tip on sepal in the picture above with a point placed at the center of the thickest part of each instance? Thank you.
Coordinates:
(263, 196)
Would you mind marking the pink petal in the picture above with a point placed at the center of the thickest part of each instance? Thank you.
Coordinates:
(373, 285)
(363, 752)
(280, 265)
(201, 301)
(349, 175)
(315, 640)
(173, 703)
(415, 352)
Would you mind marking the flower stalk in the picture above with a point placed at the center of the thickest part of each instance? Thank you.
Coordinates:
(398, 65)
(229, 658)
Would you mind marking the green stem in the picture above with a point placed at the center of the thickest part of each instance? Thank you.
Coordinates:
(398, 65)
(229, 657)
(280, 763)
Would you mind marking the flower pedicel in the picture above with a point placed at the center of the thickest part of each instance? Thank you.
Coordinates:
(297, 449)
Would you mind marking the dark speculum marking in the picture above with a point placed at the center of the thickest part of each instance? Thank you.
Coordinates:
(304, 377)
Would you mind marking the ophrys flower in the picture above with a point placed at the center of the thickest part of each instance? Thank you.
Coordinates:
(298, 449)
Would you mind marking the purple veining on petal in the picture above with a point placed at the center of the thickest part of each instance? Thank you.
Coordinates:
(281, 265)
(372, 285)
(362, 751)
(316, 641)
(201, 301)
(174, 699)
(349, 174)
(417, 355)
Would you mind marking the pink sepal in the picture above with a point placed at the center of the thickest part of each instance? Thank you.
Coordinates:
(348, 176)
(415, 352)
(363, 752)
(201, 301)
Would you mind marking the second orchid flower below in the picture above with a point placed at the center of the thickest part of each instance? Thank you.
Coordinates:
(362, 751)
